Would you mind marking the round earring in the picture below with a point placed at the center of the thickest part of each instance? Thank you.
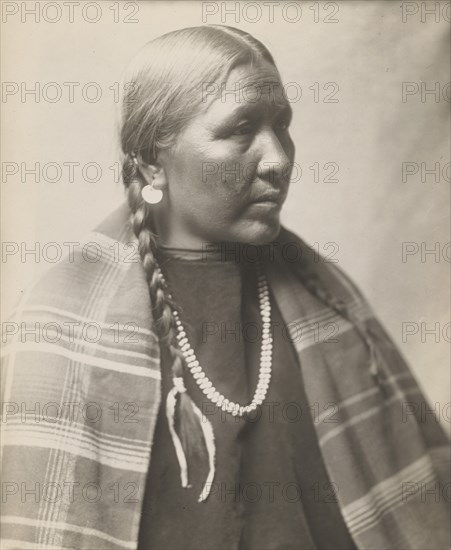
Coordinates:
(148, 192)
(151, 195)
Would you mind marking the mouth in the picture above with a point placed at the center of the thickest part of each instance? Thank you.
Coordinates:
(275, 199)
(266, 205)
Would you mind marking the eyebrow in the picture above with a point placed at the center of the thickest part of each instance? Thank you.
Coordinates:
(248, 107)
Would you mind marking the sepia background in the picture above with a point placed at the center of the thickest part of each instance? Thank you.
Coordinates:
(373, 115)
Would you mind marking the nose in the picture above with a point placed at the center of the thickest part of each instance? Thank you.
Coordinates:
(276, 156)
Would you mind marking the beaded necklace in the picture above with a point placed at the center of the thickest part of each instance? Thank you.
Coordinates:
(210, 391)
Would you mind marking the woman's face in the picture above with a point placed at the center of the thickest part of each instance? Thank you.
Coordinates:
(228, 171)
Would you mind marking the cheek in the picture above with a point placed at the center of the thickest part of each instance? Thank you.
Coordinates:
(229, 170)
(210, 179)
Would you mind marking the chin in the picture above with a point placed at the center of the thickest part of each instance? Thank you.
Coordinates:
(261, 232)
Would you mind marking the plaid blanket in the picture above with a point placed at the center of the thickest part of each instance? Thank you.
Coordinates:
(81, 393)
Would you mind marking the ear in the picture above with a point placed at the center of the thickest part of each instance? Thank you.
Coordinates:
(154, 173)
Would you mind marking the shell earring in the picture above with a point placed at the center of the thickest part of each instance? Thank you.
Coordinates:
(151, 195)
(148, 192)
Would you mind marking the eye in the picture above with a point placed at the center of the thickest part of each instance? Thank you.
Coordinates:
(243, 129)
(283, 123)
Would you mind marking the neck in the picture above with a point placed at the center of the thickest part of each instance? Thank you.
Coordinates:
(172, 235)
(210, 252)
(183, 244)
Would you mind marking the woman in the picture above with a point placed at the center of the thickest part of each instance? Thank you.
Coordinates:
(237, 393)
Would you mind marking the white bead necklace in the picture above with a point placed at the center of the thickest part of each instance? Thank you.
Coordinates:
(264, 375)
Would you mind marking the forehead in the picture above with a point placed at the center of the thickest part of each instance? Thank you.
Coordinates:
(248, 87)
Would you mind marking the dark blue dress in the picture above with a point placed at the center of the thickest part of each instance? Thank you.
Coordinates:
(271, 490)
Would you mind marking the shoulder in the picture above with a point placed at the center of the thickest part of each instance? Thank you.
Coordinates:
(89, 267)
(99, 281)
(92, 308)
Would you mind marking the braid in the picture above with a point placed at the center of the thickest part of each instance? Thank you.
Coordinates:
(161, 302)
(315, 286)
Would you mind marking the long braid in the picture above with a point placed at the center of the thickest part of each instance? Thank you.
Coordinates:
(315, 286)
(161, 302)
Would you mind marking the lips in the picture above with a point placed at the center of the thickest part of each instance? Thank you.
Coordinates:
(276, 198)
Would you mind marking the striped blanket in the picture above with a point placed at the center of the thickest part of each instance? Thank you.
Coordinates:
(81, 393)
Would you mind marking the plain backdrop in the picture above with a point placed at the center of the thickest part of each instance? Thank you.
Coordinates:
(365, 57)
